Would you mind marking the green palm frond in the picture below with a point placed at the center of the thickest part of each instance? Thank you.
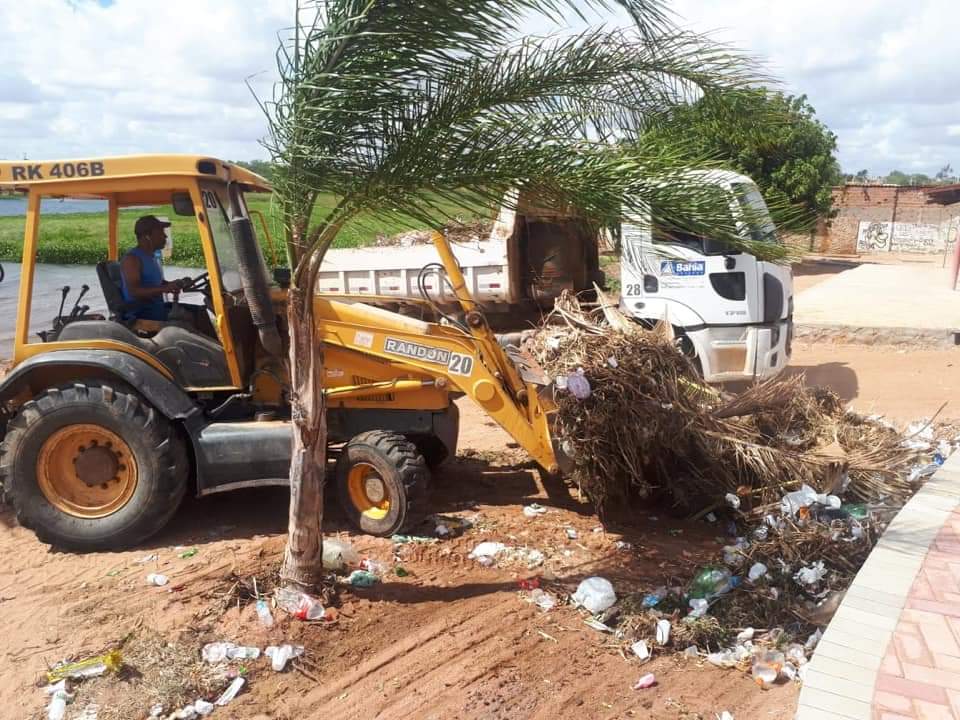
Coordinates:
(397, 106)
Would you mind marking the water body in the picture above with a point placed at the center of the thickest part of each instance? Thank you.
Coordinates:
(17, 206)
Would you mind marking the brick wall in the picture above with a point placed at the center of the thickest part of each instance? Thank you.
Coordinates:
(883, 218)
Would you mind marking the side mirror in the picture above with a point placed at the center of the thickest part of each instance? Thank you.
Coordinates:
(281, 276)
(182, 204)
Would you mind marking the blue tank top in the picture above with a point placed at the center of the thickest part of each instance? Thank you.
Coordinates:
(151, 275)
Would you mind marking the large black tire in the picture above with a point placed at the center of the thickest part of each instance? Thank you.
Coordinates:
(403, 477)
(161, 466)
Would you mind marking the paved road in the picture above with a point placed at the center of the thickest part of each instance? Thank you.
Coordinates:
(46, 296)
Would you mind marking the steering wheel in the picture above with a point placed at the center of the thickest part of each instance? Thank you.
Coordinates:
(201, 283)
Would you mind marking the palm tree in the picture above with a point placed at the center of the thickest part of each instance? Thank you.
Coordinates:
(400, 106)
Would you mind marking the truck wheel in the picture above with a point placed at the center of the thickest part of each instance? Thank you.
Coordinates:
(381, 477)
(90, 467)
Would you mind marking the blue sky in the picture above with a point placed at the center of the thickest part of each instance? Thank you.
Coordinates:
(95, 77)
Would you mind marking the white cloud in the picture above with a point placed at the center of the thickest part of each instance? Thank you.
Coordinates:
(79, 79)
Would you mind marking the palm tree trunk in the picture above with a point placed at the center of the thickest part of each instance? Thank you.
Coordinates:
(302, 562)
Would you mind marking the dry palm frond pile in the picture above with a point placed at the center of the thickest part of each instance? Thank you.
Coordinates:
(648, 424)
(803, 487)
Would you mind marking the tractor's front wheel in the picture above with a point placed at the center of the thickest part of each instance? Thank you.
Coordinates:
(93, 467)
(381, 478)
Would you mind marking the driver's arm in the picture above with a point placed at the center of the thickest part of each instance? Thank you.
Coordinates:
(130, 267)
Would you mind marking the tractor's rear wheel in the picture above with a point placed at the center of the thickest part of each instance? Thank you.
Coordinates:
(381, 479)
(93, 467)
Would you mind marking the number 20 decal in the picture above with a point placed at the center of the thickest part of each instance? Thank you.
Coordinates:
(460, 364)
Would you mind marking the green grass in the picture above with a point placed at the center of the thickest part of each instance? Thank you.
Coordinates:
(81, 238)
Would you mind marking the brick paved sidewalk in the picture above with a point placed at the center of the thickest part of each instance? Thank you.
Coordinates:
(892, 650)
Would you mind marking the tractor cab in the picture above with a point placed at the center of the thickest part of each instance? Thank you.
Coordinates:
(208, 341)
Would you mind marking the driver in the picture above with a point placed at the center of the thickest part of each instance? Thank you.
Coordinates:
(141, 275)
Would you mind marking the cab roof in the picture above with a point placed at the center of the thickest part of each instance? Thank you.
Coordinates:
(130, 179)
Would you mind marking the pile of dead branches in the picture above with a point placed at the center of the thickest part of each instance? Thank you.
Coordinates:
(635, 419)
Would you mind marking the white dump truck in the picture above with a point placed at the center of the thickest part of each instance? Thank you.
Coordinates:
(730, 311)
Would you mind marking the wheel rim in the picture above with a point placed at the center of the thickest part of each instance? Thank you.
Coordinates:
(368, 491)
(86, 471)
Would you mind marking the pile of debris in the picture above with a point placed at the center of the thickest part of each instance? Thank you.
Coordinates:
(801, 487)
(457, 231)
(636, 420)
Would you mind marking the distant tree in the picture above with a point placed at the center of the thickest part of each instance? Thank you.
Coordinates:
(774, 138)
(861, 176)
(264, 168)
(896, 177)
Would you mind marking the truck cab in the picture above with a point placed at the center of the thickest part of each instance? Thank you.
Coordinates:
(732, 313)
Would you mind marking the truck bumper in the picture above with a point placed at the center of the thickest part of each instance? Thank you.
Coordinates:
(738, 353)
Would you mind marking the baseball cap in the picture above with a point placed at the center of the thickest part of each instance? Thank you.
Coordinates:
(147, 224)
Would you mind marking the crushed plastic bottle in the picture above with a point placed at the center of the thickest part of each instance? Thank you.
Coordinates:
(280, 656)
(578, 385)
(157, 579)
(219, 652)
(264, 614)
(231, 692)
(757, 571)
(596, 594)
(725, 658)
(362, 578)
(698, 608)
(299, 604)
(647, 681)
(337, 554)
(89, 668)
(764, 674)
(710, 581)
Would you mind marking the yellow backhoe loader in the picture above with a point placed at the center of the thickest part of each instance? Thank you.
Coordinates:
(107, 422)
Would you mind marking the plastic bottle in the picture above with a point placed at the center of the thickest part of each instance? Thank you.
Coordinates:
(595, 594)
(299, 604)
(647, 681)
(57, 709)
(263, 612)
(711, 580)
(279, 656)
(337, 554)
(764, 674)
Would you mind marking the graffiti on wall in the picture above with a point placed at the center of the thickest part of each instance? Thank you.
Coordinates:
(876, 236)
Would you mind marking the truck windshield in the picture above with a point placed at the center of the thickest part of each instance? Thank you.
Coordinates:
(756, 216)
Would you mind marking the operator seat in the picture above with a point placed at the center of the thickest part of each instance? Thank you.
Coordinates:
(108, 273)
(193, 359)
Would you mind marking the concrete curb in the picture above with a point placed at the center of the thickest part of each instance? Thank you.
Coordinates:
(842, 674)
(930, 337)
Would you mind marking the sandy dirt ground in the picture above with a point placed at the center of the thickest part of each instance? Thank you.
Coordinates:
(451, 639)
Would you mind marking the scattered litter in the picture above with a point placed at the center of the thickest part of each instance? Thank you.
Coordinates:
(622, 545)
(745, 635)
(647, 681)
(400, 571)
(337, 554)
(732, 500)
(596, 594)
(59, 698)
(362, 578)
(486, 552)
(811, 642)
(89, 668)
(373, 566)
(219, 652)
(543, 600)
(231, 692)
(264, 614)
(811, 574)
(571, 533)
(147, 559)
(416, 539)
(920, 472)
(711, 581)
(766, 668)
(157, 579)
(698, 608)
(725, 715)
(757, 571)
(612, 362)
(641, 650)
(533, 510)
(663, 632)
(796, 654)
(654, 598)
(203, 707)
(279, 656)
(156, 710)
(188, 553)
(299, 604)
(597, 625)
(691, 652)
(711, 517)
(578, 385)
(89, 712)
